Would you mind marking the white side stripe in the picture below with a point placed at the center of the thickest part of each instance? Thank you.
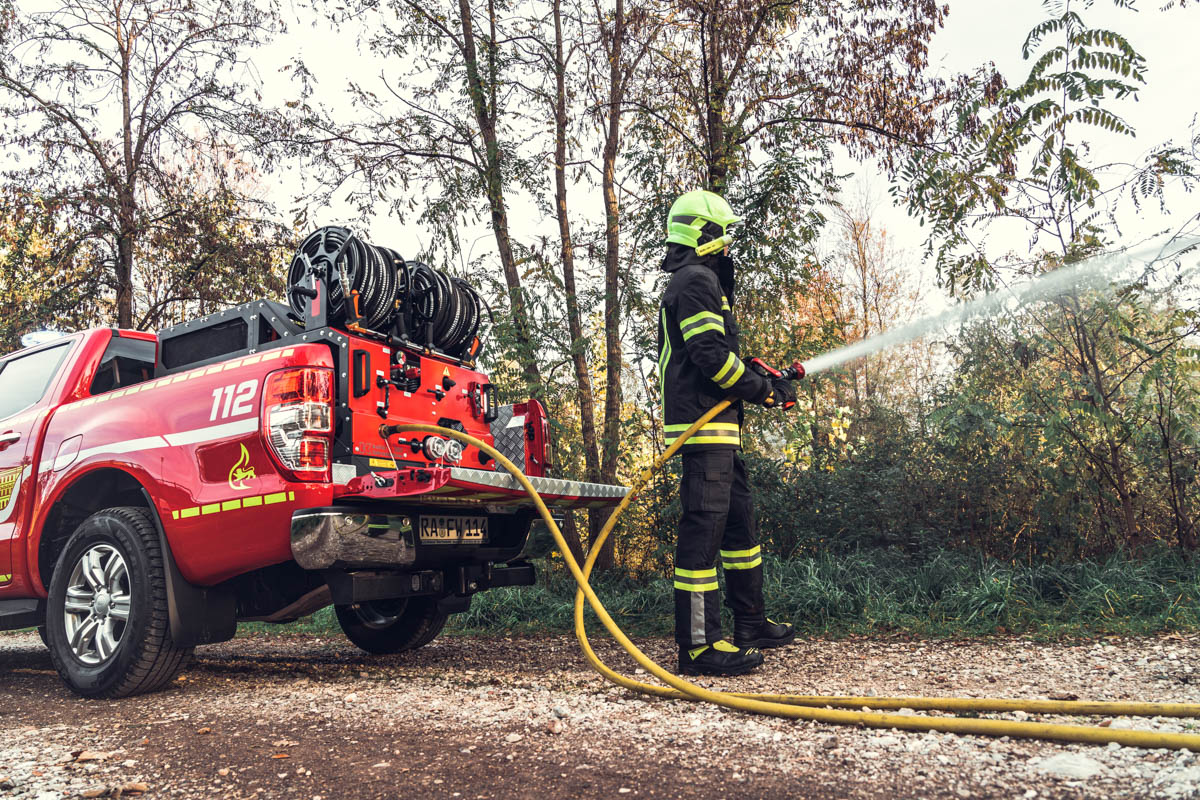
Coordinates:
(223, 431)
(211, 433)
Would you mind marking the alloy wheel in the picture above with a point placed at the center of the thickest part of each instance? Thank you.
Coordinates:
(96, 610)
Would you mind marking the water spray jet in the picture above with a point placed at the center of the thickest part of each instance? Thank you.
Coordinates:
(1095, 273)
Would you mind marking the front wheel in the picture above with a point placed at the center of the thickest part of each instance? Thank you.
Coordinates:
(106, 617)
(391, 626)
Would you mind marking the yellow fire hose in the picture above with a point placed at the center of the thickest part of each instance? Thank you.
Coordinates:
(832, 710)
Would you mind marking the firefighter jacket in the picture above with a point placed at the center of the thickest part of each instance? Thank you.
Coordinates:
(698, 361)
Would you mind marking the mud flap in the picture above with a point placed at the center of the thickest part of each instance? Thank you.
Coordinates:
(198, 614)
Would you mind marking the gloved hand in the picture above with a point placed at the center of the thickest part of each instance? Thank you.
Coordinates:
(782, 395)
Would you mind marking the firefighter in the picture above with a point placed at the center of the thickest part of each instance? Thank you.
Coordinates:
(698, 366)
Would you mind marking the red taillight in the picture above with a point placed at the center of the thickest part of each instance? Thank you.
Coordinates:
(298, 421)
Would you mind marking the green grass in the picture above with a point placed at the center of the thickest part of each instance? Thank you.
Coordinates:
(884, 592)
(873, 592)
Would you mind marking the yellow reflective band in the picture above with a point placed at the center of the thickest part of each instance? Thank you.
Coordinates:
(730, 362)
(694, 318)
(753, 551)
(664, 358)
(708, 426)
(725, 304)
(5, 578)
(732, 379)
(707, 440)
(708, 326)
(235, 504)
(696, 587)
(742, 564)
(695, 573)
(718, 433)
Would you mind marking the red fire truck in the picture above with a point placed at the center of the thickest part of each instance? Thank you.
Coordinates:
(156, 489)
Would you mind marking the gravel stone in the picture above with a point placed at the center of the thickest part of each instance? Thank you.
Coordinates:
(442, 718)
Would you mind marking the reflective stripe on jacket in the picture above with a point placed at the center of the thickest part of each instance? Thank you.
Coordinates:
(698, 357)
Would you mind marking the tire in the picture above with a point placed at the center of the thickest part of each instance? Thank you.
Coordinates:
(392, 626)
(42, 633)
(119, 549)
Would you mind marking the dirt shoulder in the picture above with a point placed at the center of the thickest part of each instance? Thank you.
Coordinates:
(473, 717)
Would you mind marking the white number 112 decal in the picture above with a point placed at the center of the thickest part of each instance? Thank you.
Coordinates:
(239, 400)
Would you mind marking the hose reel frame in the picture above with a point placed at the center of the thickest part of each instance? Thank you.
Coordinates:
(373, 287)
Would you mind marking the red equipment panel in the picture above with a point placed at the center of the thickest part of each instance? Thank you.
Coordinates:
(394, 386)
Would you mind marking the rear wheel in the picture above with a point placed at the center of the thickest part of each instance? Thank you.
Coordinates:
(392, 626)
(106, 618)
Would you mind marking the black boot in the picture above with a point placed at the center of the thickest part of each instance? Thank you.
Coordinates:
(762, 633)
(719, 658)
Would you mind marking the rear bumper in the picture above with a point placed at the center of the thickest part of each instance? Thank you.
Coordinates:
(332, 538)
(382, 535)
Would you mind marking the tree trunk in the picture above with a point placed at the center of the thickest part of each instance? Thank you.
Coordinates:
(612, 263)
(486, 112)
(715, 94)
(124, 276)
(126, 194)
(1115, 468)
(583, 379)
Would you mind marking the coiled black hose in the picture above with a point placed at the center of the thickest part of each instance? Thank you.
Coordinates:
(446, 311)
(424, 304)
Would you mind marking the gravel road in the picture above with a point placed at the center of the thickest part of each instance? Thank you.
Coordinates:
(472, 717)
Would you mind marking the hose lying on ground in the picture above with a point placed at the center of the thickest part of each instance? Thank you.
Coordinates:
(815, 708)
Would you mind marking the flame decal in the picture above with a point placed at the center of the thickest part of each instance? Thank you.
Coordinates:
(241, 472)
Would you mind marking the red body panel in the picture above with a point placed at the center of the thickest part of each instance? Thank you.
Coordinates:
(172, 437)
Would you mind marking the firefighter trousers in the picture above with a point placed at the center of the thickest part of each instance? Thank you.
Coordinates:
(717, 520)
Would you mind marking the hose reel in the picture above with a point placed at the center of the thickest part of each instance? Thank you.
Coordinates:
(374, 288)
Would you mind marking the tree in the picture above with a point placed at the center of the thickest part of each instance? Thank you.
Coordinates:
(1021, 155)
(623, 39)
(108, 99)
(736, 76)
(874, 295)
(44, 272)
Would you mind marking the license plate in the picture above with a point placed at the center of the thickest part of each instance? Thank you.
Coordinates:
(452, 530)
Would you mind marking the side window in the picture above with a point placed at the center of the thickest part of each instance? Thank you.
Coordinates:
(24, 379)
(126, 361)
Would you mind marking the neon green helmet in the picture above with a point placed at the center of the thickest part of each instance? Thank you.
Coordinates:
(698, 218)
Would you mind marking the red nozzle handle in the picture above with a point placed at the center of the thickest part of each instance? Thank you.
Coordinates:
(764, 369)
(793, 373)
